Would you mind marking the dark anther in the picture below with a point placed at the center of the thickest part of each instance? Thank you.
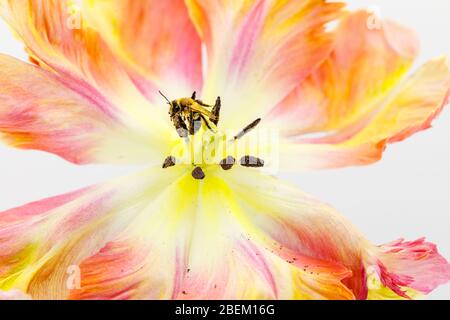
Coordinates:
(228, 163)
(247, 129)
(198, 173)
(216, 111)
(169, 162)
(252, 162)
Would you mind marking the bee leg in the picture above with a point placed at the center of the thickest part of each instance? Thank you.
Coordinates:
(206, 123)
(216, 111)
(200, 102)
(194, 95)
(197, 123)
(180, 126)
(191, 123)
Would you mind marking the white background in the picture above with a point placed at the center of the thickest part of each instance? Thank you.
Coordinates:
(407, 194)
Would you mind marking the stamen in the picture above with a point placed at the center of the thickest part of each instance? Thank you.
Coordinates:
(227, 163)
(252, 162)
(169, 162)
(247, 129)
(216, 111)
(198, 173)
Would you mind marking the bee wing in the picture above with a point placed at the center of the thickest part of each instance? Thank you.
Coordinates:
(198, 108)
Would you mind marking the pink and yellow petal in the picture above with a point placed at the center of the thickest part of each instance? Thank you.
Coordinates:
(316, 239)
(359, 100)
(112, 274)
(409, 108)
(315, 156)
(199, 247)
(131, 240)
(140, 262)
(245, 251)
(177, 254)
(42, 111)
(248, 45)
(155, 38)
(305, 233)
(61, 232)
(58, 38)
(410, 268)
(363, 68)
(413, 105)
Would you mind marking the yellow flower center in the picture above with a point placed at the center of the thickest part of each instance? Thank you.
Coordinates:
(202, 145)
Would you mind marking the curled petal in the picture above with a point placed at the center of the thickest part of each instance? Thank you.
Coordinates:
(39, 110)
(408, 268)
(358, 101)
(410, 108)
(258, 51)
(363, 68)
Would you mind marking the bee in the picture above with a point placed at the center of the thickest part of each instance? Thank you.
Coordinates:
(188, 114)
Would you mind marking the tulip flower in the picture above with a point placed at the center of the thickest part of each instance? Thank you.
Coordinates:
(278, 89)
